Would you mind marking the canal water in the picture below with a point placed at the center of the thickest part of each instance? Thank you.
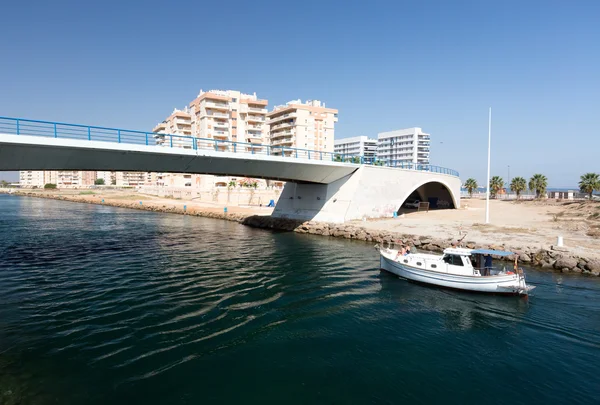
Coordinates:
(106, 305)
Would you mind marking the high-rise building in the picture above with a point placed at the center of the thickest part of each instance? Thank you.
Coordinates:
(357, 146)
(302, 125)
(229, 115)
(409, 145)
(217, 118)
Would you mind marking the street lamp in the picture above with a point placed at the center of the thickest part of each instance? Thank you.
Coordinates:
(487, 193)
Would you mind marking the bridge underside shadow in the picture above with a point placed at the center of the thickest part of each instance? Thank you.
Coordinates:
(370, 192)
(41, 153)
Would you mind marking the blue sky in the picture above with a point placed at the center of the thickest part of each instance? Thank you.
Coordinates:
(384, 65)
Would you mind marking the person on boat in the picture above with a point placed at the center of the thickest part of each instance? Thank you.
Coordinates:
(407, 251)
(401, 252)
(488, 265)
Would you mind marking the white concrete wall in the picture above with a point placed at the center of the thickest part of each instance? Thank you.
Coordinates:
(372, 192)
(221, 196)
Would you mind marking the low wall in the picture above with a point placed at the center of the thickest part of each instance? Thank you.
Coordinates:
(218, 195)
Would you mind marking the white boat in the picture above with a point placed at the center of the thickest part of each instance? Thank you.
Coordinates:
(457, 268)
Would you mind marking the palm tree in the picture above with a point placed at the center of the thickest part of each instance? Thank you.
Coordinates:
(519, 185)
(470, 185)
(231, 184)
(338, 158)
(496, 184)
(589, 182)
(538, 182)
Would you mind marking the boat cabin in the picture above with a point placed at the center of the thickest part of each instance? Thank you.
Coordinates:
(477, 262)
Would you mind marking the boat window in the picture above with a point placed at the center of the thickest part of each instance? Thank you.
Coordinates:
(419, 263)
(455, 260)
(433, 266)
(405, 261)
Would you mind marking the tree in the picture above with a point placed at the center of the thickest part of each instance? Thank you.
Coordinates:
(99, 182)
(355, 159)
(337, 158)
(589, 182)
(50, 186)
(3, 183)
(496, 184)
(538, 182)
(519, 185)
(231, 184)
(470, 185)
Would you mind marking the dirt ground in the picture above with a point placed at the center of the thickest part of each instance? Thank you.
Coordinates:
(535, 224)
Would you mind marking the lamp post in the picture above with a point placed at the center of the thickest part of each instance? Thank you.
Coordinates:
(508, 182)
(487, 193)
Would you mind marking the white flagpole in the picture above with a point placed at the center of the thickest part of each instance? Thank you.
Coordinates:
(487, 194)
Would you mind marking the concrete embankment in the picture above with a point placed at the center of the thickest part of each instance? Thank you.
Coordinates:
(557, 258)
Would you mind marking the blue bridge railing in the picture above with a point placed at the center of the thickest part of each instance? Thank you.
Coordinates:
(20, 126)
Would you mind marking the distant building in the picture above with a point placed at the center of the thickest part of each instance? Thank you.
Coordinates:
(301, 125)
(357, 146)
(31, 178)
(62, 178)
(404, 146)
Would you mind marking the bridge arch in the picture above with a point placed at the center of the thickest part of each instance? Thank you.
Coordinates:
(432, 191)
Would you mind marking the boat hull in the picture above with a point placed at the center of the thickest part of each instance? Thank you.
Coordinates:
(504, 284)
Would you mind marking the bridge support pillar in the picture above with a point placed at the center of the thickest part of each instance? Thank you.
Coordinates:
(369, 192)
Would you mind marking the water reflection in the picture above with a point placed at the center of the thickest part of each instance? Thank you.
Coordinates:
(459, 310)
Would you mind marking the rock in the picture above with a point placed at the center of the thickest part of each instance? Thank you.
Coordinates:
(565, 261)
(417, 242)
(559, 248)
(525, 258)
(565, 270)
(576, 270)
(593, 265)
(548, 265)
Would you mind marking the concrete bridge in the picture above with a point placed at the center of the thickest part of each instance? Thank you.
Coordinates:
(319, 186)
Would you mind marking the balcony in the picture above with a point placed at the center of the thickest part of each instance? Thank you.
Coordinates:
(257, 110)
(282, 117)
(182, 121)
(221, 124)
(218, 106)
(282, 134)
(254, 118)
(283, 125)
(217, 115)
(283, 142)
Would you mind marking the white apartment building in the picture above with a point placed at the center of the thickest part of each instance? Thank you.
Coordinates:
(134, 179)
(409, 145)
(32, 178)
(218, 118)
(62, 178)
(300, 125)
(110, 178)
(230, 115)
(357, 146)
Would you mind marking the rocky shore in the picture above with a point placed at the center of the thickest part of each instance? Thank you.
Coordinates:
(557, 258)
